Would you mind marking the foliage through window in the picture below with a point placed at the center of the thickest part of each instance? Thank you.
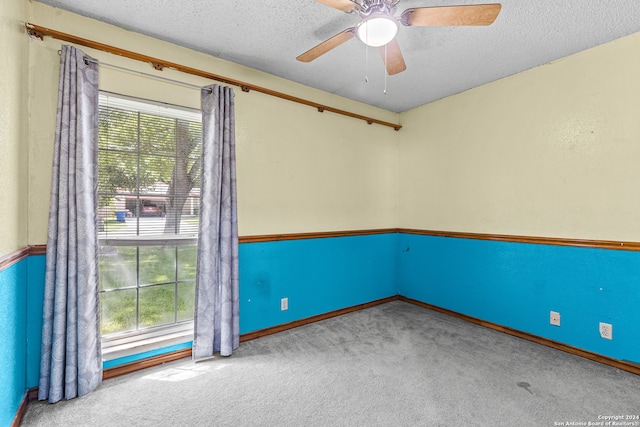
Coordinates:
(148, 196)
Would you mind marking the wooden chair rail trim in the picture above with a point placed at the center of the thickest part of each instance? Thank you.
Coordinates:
(554, 241)
(41, 249)
(314, 235)
(14, 257)
(38, 250)
(40, 32)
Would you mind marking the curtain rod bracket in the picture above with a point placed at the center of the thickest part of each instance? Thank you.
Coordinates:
(245, 88)
(321, 109)
(36, 34)
(157, 66)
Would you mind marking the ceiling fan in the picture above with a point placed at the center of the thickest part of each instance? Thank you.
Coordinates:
(378, 26)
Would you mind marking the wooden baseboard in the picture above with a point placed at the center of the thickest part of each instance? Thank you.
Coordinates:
(169, 357)
(17, 419)
(295, 324)
(32, 394)
(181, 354)
(620, 364)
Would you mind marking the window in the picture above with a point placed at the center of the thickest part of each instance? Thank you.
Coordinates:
(148, 201)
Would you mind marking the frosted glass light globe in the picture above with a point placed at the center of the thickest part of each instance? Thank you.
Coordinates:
(378, 30)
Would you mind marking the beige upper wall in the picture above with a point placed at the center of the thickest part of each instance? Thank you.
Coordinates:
(548, 152)
(298, 170)
(13, 126)
(553, 151)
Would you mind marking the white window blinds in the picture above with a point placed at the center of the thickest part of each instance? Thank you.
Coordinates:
(148, 169)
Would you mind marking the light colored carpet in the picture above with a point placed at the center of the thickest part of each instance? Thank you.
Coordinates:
(395, 364)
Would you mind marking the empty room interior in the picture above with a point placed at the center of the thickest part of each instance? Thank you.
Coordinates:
(485, 191)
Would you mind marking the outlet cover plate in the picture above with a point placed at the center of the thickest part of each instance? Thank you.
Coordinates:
(554, 318)
(606, 331)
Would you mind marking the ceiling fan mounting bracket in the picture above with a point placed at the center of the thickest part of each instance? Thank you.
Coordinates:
(365, 8)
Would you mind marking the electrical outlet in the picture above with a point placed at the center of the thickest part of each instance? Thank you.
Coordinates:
(284, 304)
(606, 331)
(554, 318)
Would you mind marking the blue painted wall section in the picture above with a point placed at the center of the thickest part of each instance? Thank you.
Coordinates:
(518, 284)
(35, 299)
(13, 341)
(316, 275)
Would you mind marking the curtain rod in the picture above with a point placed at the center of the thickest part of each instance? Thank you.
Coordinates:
(142, 73)
(159, 64)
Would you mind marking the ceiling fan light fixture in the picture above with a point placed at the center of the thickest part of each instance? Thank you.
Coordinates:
(377, 30)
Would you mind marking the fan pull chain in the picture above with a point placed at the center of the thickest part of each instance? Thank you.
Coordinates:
(384, 69)
(366, 56)
(366, 63)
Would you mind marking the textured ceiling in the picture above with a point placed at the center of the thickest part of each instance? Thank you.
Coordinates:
(268, 35)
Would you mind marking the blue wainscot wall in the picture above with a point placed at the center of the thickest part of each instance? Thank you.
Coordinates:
(511, 284)
(13, 341)
(21, 290)
(316, 275)
(35, 300)
(518, 284)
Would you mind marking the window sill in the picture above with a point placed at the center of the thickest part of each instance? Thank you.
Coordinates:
(118, 347)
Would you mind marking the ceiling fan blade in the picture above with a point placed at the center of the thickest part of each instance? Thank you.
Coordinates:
(479, 14)
(327, 45)
(392, 58)
(343, 5)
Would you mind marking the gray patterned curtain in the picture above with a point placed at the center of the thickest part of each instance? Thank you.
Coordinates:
(71, 363)
(217, 325)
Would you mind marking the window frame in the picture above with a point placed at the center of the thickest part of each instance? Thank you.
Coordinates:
(123, 343)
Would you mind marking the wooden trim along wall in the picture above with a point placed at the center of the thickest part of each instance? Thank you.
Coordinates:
(38, 250)
(14, 257)
(116, 371)
(20, 254)
(22, 409)
(32, 394)
(297, 323)
(620, 364)
(316, 235)
(180, 354)
(555, 241)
